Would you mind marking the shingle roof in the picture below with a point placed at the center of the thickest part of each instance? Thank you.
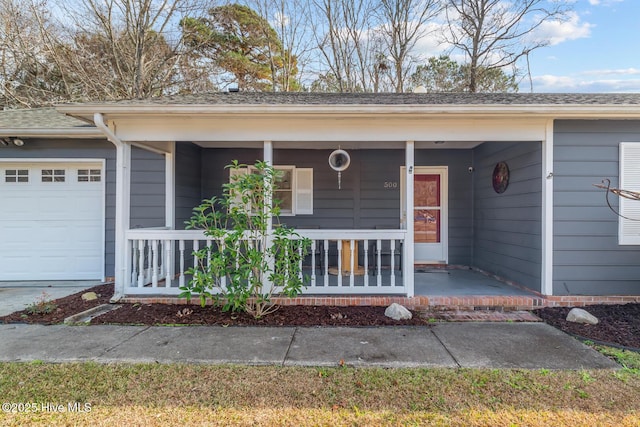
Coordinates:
(39, 118)
(302, 98)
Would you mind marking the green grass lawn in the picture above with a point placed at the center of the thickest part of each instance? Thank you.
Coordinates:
(155, 394)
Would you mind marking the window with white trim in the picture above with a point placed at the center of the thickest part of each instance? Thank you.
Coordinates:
(89, 175)
(53, 175)
(629, 227)
(294, 189)
(16, 175)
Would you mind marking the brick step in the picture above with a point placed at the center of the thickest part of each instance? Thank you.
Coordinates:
(478, 316)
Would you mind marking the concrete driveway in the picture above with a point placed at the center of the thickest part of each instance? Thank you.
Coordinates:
(16, 296)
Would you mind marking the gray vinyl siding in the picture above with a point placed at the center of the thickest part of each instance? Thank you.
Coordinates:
(507, 226)
(187, 181)
(586, 257)
(147, 188)
(363, 202)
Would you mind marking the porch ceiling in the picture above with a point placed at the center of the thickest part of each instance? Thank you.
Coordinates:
(332, 129)
(348, 145)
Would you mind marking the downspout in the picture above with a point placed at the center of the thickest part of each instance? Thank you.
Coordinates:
(98, 120)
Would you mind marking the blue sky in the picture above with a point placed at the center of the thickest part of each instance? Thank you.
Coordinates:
(597, 50)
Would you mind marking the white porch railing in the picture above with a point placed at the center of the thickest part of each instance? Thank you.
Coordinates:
(340, 262)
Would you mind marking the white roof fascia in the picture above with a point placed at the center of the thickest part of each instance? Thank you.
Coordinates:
(51, 133)
(546, 110)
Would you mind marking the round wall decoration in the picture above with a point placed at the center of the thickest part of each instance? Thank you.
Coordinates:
(500, 178)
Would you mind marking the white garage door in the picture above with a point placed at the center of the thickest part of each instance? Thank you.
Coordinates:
(51, 221)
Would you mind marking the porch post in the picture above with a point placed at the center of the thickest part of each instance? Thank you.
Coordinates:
(122, 249)
(170, 187)
(268, 159)
(170, 206)
(123, 214)
(407, 268)
(547, 211)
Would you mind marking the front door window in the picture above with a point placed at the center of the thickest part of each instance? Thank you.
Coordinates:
(427, 208)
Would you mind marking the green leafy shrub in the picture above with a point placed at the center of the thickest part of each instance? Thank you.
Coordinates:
(247, 263)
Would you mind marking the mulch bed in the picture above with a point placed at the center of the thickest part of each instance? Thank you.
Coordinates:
(65, 307)
(618, 324)
(172, 314)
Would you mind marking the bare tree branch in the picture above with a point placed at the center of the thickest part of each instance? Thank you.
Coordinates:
(403, 24)
(497, 33)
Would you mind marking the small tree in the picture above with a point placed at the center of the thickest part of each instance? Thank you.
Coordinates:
(443, 74)
(247, 263)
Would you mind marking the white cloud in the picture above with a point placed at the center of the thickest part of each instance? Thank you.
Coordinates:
(559, 84)
(622, 71)
(604, 2)
(280, 20)
(433, 43)
(556, 32)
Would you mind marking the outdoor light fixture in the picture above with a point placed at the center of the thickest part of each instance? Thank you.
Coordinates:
(339, 160)
(11, 140)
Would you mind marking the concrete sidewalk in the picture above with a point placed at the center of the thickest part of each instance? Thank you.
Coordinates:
(450, 345)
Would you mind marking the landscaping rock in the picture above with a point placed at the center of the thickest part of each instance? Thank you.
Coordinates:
(397, 312)
(89, 296)
(578, 315)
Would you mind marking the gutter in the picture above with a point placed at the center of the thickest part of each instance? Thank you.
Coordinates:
(480, 110)
(52, 133)
(98, 119)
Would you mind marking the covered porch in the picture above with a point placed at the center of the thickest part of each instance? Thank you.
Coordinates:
(359, 233)
(363, 240)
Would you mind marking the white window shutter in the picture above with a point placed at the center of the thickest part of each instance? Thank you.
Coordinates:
(233, 173)
(628, 230)
(304, 191)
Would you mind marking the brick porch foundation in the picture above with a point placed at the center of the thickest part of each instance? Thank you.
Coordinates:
(427, 302)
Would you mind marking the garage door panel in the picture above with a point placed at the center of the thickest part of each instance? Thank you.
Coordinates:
(51, 230)
(52, 264)
(17, 205)
(15, 264)
(13, 237)
(53, 237)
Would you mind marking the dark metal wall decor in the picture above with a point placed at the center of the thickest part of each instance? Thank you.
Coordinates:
(500, 177)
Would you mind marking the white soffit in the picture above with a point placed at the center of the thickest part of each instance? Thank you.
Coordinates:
(328, 128)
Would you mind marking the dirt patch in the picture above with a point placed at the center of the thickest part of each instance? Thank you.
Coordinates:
(618, 324)
(64, 307)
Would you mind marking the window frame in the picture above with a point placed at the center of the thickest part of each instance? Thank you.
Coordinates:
(292, 189)
(629, 179)
(89, 175)
(294, 171)
(17, 177)
(55, 175)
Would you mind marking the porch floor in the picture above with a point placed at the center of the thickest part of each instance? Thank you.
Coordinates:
(462, 282)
